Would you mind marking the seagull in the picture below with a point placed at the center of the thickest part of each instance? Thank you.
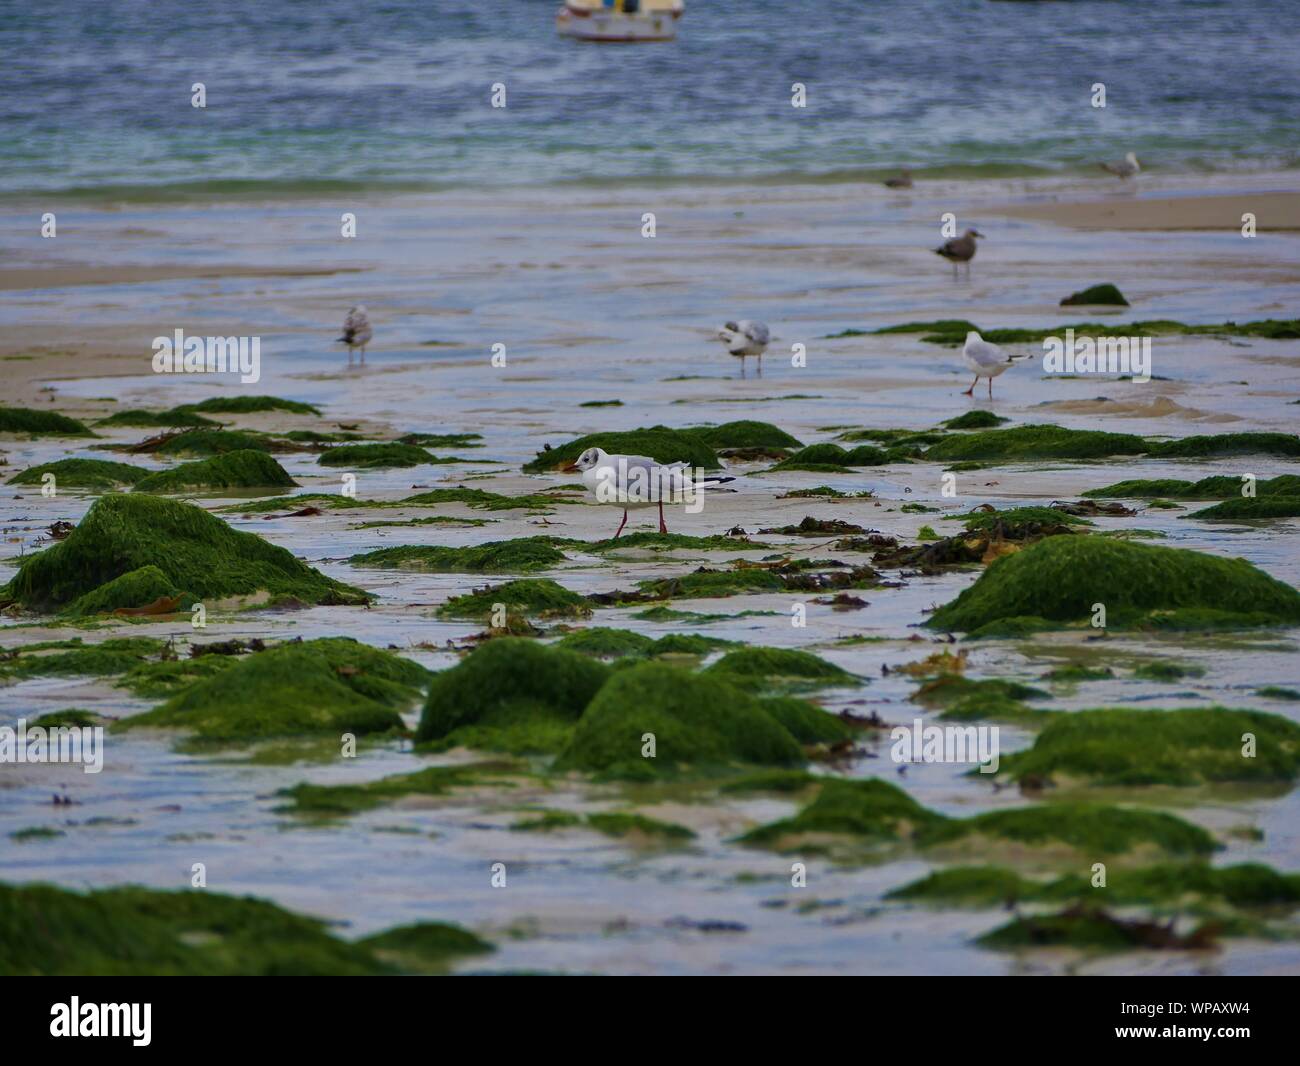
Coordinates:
(635, 481)
(984, 360)
(356, 332)
(960, 250)
(745, 338)
(903, 181)
(1125, 169)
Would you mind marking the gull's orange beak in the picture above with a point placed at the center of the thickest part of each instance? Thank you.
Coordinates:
(569, 468)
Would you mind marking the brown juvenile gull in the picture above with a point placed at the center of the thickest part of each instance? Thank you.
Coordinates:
(356, 332)
(960, 250)
(903, 181)
(1126, 168)
(745, 338)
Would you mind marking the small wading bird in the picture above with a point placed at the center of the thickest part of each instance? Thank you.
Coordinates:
(635, 481)
(984, 360)
(745, 338)
(1126, 168)
(903, 181)
(356, 332)
(959, 250)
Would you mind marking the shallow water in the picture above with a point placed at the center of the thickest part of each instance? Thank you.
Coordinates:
(590, 310)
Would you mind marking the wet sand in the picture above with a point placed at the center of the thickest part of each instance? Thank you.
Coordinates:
(589, 310)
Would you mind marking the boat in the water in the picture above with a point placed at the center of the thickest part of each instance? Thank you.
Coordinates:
(619, 20)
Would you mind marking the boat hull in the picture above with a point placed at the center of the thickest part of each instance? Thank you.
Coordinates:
(616, 27)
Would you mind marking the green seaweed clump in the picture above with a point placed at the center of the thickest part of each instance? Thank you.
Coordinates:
(247, 405)
(1218, 487)
(204, 443)
(143, 932)
(1036, 442)
(97, 474)
(1220, 445)
(1059, 579)
(1246, 507)
(975, 419)
(424, 947)
(533, 596)
(660, 443)
(832, 457)
(760, 667)
(745, 434)
(625, 823)
(1098, 295)
(40, 423)
(197, 552)
(689, 719)
(134, 589)
(510, 694)
(1195, 746)
(332, 685)
(364, 456)
(870, 810)
(517, 556)
(605, 643)
(141, 419)
(249, 469)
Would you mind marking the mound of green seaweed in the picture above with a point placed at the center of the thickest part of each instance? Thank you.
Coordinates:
(976, 419)
(658, 442)
(1195, 746)
(745, 433)
(488, 501)
(246, 405)
(1220, 445)
(1105, 293)
(365, 456)
(1060, 579)
(83, 473)
(1245, 507)
(136, 417)
(197, 552)
(1218, 487)
(134, 931)
(36, 423)
(690, 719)
(134, 589)
(538, 596)
(247, 469)
(760, 667)
(203, 443)
(495, 556)
(604, 643)
(824, 456)
(332, 685)
(1035, 442)
(511, 694)
(875, 810)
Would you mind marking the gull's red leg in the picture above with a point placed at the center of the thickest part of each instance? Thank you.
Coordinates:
(662, 527)
(621, 525)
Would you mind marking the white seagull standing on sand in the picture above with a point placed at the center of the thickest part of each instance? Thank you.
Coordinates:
(635, 481)
(356, 332)
(745, 338)
(984, 360)
(1125, 168)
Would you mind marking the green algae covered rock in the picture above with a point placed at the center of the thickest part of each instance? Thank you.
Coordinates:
(364, 456)
(1219, 445)
(1245, 507)
(1059, 579)
(197, 552)
(82, 473)
(1097, 294)
(745, 433)
(243, 405)
(203, 443)
(1195, 746)
(173, 419)
(143, 932)
(327, 686)
(805, 721)
(495, 556)
(605, 643)
(696, 720)
(29, 421)
(817, 456)
(247, 469)
(511, 694)
(536, 596)
(976, 419)
(1035, 442)
(1219, 487)
(659, 443)
(135, 588)
(761, 667)
(871, 809)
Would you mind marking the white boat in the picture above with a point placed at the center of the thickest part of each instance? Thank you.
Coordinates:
(619, 20)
